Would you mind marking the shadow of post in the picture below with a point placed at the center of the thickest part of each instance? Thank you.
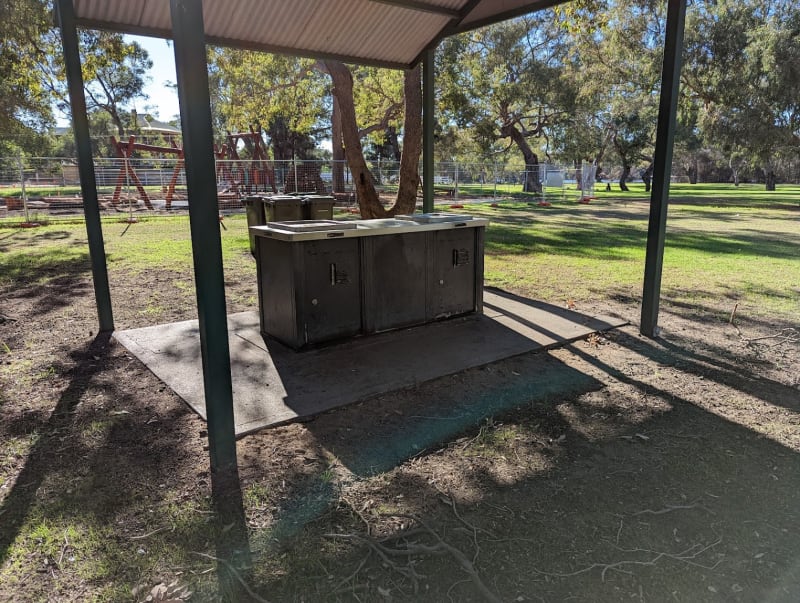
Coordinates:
(17, 504)
(232, 543)
(45, 459)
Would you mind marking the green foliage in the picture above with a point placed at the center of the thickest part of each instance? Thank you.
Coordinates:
(282, 94)
(378, 98)
(114, 73)
(505, 77)
(743, 72)
(576, 83)
(24, 102)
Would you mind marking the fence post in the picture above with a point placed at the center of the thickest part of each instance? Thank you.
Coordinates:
(22, 186)
(494, 177)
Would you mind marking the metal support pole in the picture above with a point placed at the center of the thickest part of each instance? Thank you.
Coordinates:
(659, 198)
(201, 185)
(427, 130)
(80, 125)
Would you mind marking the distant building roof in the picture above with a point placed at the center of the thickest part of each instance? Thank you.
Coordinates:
(146, 123)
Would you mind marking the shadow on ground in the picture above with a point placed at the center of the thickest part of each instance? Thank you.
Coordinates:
(629, 491)
(594, 472)
(99, 465)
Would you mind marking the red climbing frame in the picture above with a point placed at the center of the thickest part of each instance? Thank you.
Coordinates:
(125, 150)
(245, 175)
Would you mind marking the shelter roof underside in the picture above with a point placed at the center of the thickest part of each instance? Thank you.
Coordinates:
(392, 33)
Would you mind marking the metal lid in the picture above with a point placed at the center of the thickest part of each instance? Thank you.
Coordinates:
(312, 226)
(433, 218)
(283, 199)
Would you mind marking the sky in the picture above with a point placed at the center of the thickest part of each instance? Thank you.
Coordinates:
(162, 101)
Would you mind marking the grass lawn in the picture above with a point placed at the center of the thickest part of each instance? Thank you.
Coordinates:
(741, 250)
(737, 244)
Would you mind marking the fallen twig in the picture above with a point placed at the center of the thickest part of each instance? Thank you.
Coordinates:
(64, 548)
(233, 571)
(351, 576)
(785, 335)
(685, 556)
(153, 533)
(789, 333)
(447, 499)
(466, 565)
(671, 508)
(410, 549)
(385, 553)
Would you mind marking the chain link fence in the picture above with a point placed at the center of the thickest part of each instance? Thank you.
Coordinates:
(51, 186)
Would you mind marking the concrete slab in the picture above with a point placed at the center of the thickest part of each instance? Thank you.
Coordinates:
(273, 384)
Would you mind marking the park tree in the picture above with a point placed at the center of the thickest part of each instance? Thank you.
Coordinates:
(283, 95)
(293, 97)
(583, 136)
(114, 74)
(506, 83)
(344, 97)
(688, 149)
(618, 49)
(743, 65)
(378, 100)
(25, 110)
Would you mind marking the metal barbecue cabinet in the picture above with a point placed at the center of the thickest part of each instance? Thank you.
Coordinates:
(325, 280)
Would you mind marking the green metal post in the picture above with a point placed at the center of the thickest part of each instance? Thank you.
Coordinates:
(201, 184)
(80, 125)
(662, 166)
(427, 130)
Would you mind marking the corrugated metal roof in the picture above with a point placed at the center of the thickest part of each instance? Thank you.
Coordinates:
(385, 32)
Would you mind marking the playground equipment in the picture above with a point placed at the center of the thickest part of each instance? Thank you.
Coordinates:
(304, 178)
(126, 150)
(245, 176)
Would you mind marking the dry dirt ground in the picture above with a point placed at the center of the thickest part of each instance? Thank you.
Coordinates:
(618, 468)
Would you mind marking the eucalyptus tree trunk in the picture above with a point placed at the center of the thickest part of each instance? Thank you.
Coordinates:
(734, 171)
(647, 177)
(769, 179)
(623, 178)
(694, 169)
(337, 148)
(362, 178)
(532, 183)
(412, 144)
(368, 200)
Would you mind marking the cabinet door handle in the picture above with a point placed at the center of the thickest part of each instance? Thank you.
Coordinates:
(333, 274)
